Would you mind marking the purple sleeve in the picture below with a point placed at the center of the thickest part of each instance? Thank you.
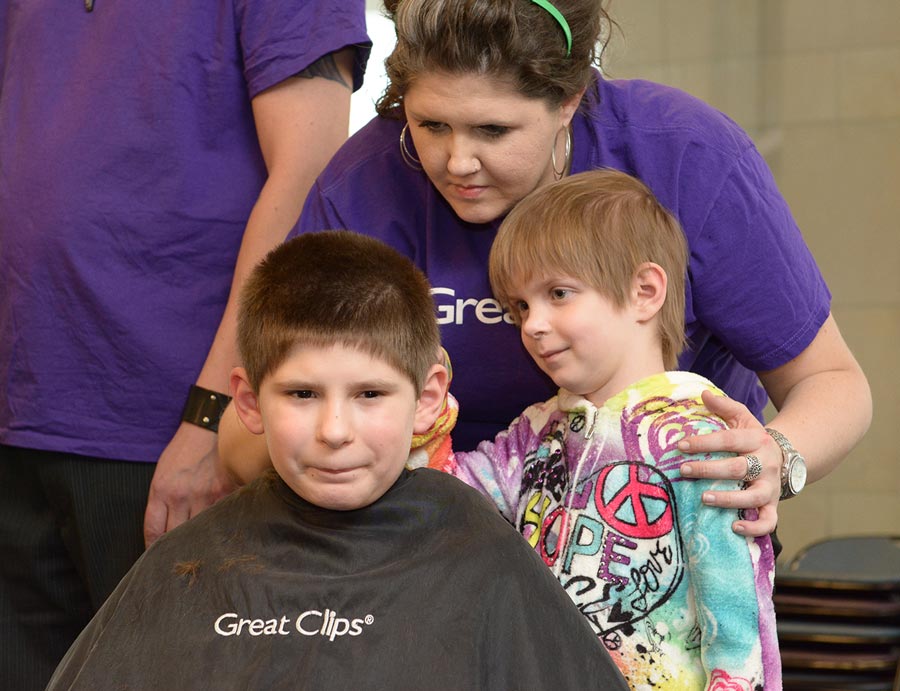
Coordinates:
(754, 281)
(280, 38)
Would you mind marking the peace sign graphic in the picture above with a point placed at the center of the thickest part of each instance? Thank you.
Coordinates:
(635, 500)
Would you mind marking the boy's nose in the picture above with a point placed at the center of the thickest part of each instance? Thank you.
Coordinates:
(534, 324)
(335, 427)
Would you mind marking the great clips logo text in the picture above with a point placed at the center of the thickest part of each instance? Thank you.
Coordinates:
(455, 310)
(312, 622)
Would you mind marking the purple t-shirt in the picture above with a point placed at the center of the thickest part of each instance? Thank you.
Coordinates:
(755, 298)
(128, 167)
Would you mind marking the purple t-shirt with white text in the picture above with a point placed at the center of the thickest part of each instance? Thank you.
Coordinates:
(755, 297)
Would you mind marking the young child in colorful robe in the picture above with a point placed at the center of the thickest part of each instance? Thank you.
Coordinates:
(592, 271)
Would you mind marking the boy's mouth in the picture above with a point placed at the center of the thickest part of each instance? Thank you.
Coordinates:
(549, 355)
(336, 472)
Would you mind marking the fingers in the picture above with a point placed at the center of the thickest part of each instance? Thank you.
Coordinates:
(761, 495)
(734, 468)
(766, 468)
(764, 524)
(765, 489)
(756, 495)
(154, 520)
(178, 514)
(726, 408)
(738, 441)
(167, 511)
(744, 437)
(170, 504)
(188, 479)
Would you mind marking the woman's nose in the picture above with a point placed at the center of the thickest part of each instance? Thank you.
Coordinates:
(462, 159)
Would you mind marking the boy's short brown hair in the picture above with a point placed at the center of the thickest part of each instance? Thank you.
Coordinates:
(598, 227)
(337, 288)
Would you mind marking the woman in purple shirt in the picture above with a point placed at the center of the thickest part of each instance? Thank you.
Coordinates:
(490, 99)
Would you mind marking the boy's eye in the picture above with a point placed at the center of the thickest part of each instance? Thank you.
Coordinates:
(520, 306)
(559, 293)
(371, 394)
(302, 393)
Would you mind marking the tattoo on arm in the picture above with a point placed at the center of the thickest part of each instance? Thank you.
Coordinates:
(324, 67)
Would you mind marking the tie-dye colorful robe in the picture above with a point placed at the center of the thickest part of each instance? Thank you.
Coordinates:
(679, 600)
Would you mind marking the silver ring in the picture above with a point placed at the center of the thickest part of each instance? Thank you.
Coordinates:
(754, 468)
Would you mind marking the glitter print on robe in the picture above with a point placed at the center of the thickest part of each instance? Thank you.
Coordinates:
(680, 601)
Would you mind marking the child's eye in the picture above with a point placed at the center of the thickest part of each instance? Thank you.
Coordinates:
(520, 306)
(560, 293)
(371, 394)
(302, 393)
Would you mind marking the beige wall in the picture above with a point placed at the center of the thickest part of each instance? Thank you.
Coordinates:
(817, 84)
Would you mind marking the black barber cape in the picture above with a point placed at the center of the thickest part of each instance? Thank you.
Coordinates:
(428, 588)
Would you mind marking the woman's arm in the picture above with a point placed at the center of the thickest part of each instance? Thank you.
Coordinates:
(823, 401)
(300, 123)
(824, 408)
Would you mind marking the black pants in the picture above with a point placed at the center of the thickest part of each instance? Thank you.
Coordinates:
(70, 528)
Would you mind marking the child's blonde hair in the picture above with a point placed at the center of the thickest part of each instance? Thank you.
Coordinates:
(597, 227)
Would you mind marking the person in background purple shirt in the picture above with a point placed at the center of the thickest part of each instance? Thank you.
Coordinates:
(150, 154)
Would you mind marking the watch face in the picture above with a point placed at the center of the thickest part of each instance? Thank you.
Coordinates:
(797, 474)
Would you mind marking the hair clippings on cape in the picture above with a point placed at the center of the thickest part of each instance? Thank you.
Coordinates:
(558, 16)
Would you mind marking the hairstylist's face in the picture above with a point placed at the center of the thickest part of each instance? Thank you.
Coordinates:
(484, 145)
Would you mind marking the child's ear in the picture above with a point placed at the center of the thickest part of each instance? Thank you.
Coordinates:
(245, 401)
(431, 400)
(648, 290)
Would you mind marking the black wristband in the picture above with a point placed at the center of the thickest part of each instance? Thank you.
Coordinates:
(204, 408)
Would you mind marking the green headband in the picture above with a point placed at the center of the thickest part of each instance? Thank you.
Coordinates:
(557, 15)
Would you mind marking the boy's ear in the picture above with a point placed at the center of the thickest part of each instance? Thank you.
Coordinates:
(648, 290)
(245, 401)
(431, 400)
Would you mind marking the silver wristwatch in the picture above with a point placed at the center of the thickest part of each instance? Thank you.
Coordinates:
(793, 466)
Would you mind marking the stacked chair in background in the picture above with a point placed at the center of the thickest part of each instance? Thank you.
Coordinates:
(838, 609)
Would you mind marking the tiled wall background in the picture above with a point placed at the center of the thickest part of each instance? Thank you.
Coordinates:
(817, 84)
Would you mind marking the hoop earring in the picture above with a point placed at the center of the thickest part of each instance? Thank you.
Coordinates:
(557, 173)
(408, 158)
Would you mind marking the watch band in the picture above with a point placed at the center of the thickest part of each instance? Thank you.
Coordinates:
(781, 440)
(204, 407)
(790, 458)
